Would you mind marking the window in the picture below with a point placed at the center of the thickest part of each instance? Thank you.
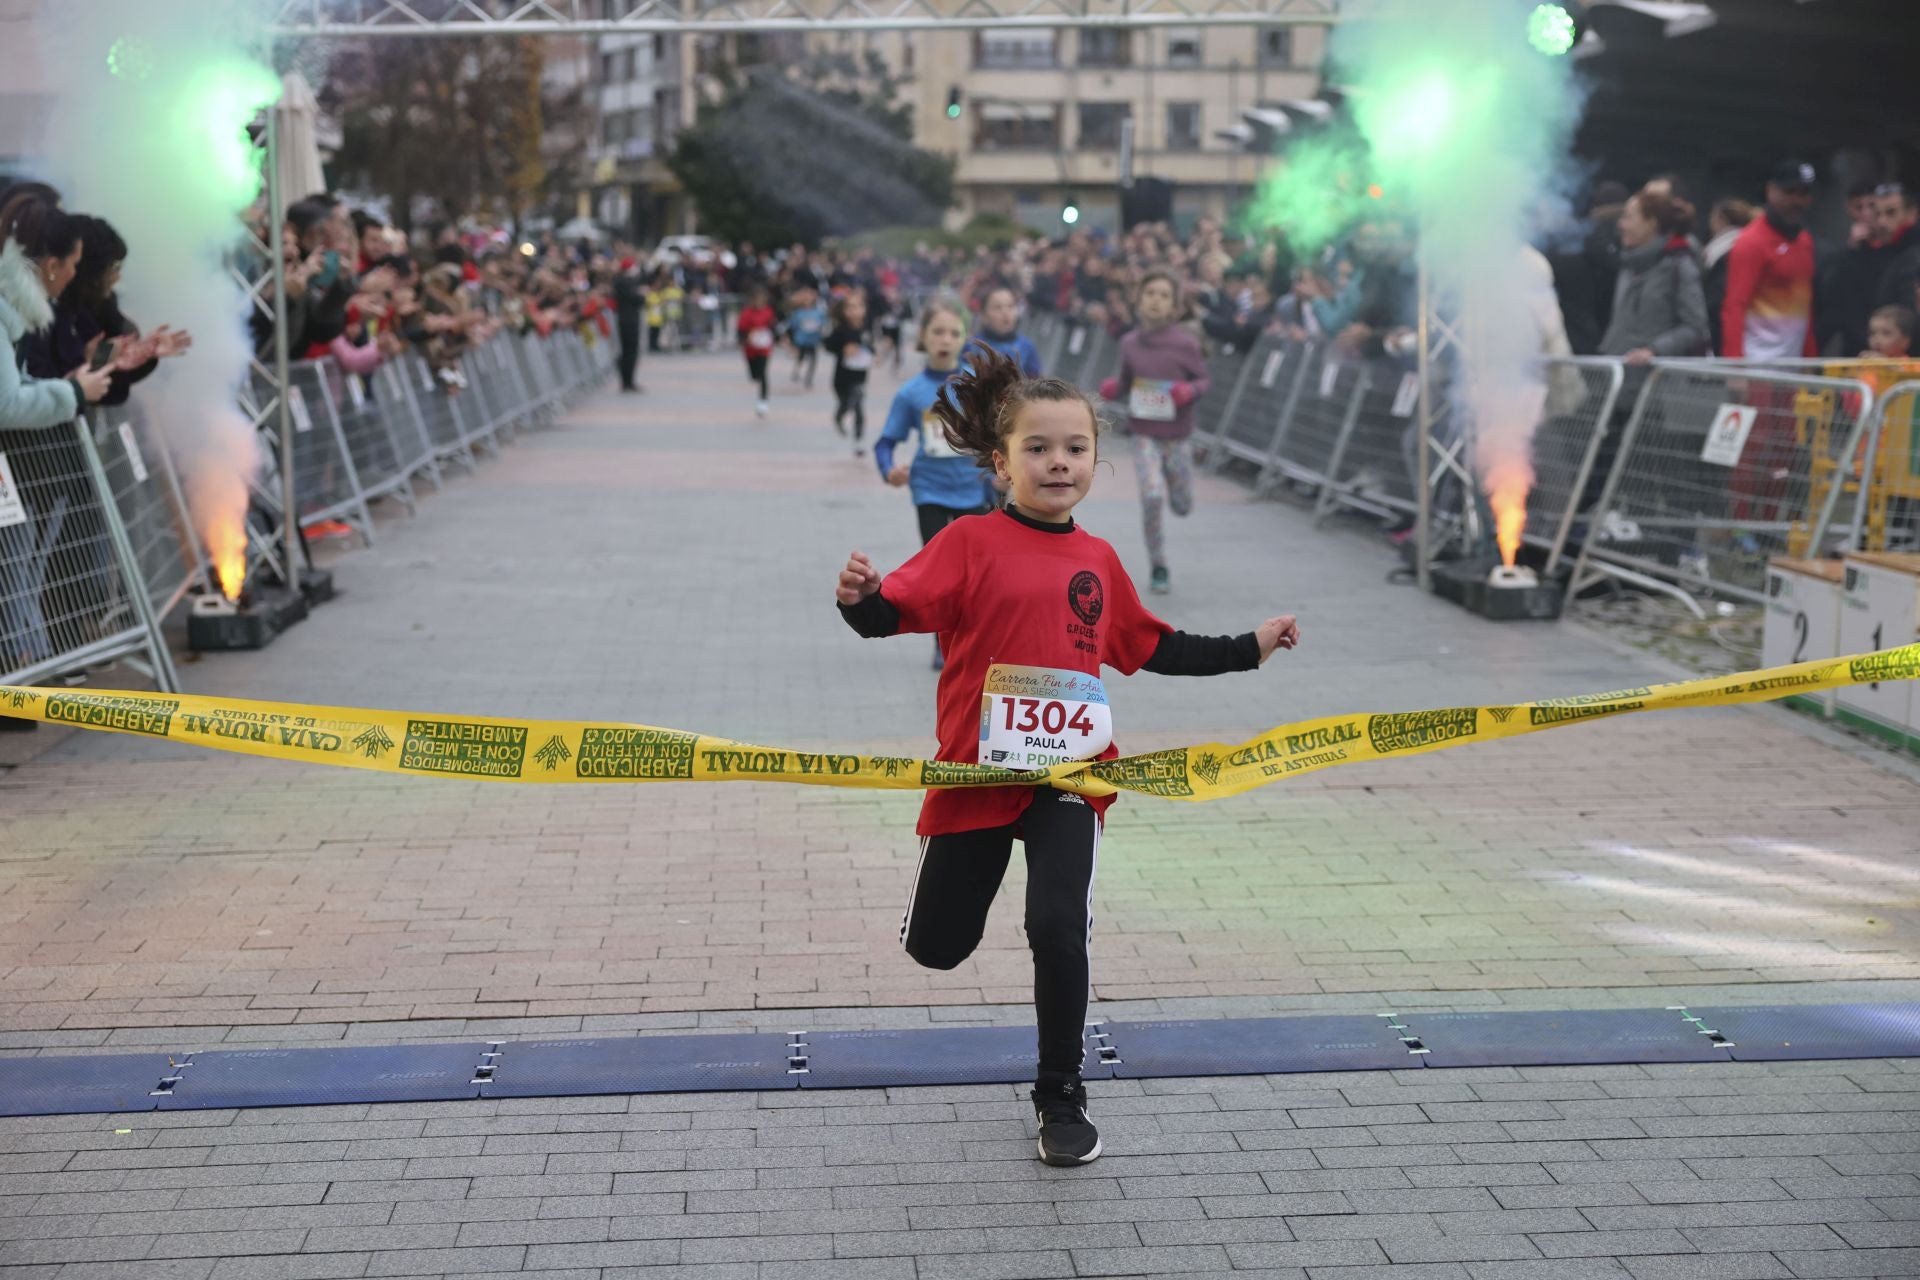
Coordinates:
(1100, 125)
(1104, 47)
(1011, 126)
(613, 129)
(1183, 126)
(1016, 49)
(1276, 46)
(1183, 47)
(609, 67)
(633, 61)
(906, 50)
(659, 47)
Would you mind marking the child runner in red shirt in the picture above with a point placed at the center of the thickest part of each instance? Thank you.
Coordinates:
(1028, 607)
(755, 330)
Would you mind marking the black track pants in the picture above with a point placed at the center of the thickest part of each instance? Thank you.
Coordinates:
(957, 879)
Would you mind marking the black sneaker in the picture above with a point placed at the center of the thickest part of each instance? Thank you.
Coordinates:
(1067, 1137)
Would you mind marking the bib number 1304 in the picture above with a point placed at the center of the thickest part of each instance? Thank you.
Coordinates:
(1032, 717)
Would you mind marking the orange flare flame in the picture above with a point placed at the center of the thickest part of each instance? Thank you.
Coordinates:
(1507, 483)
(227, 548)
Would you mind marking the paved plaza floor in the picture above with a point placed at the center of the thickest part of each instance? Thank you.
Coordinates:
(668, 559)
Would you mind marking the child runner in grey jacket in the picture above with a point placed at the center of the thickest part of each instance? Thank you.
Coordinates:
(1162, 372)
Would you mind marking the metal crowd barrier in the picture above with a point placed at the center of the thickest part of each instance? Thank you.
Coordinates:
(1722, 467)
(96, 542)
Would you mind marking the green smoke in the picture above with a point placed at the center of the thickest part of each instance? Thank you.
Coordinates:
(1316, 192)
(1470, 123)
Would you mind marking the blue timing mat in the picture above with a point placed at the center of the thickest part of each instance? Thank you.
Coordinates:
(313, 1077)
(1258, 1046)
(641, 1064)
(1789, 1033)
(1579, 1037)
(86, 1085)
(936, 1055)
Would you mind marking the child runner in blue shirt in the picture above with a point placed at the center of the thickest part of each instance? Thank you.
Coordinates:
(946, 484)
(806, 325)
(999, 329)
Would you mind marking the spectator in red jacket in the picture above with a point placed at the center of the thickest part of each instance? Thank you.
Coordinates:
(1768, 315)
(1768, 312)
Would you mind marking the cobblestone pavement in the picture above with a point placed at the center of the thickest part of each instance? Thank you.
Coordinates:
(667, 559)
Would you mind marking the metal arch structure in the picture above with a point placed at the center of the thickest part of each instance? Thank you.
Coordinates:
(418, 18)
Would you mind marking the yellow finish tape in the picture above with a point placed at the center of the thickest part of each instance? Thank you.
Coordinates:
(578, 751)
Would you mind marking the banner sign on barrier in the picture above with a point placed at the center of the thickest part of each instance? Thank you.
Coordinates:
(548, 751)
(1727, 437)
(13, 509)
(132, 446)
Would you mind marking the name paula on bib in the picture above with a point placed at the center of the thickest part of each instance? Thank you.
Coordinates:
(1033, 717)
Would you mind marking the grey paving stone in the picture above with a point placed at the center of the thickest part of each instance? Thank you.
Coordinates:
(1773, 1239)
(1851, 1262)
(1784, 1212)
(1604, 1243)
(1166, 1209)
(215, 1244)
(757, 1248)
(1879, 1235)
(426, 1262)
(1550, 1269)
(1133, 1261)
(292, 1266)
(1578, 1195)
(1693, 1266)
(1458, 1248)
(1215, 1231)
(146, 1269)
(1036, 1265)
(846, 1269)
(891, 1244)
(533, 1231)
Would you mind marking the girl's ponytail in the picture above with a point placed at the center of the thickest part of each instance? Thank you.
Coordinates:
(981, 401)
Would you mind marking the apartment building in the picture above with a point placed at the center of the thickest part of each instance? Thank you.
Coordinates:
(1042, 111)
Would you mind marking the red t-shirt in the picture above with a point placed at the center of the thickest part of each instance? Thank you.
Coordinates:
(997, 590)
(756, 326)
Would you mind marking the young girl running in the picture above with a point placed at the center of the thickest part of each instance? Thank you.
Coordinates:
(946, 483)
(999, 329)
(1162, 372)
(755, 330)
(1026, 602)
(804, 326)
(852, 358)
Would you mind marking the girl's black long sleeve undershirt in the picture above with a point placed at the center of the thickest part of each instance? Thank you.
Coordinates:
(1177, 654)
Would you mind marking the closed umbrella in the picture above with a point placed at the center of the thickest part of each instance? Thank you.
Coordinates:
(297, 115)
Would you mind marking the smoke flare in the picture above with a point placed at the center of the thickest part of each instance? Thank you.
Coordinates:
(149, 130)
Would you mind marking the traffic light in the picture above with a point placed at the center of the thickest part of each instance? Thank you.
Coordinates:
(953, 103)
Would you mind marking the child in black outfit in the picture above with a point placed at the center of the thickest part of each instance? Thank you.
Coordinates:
(852, 357)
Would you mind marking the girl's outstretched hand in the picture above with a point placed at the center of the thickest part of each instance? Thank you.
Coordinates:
(860, 580)
(1275, 633)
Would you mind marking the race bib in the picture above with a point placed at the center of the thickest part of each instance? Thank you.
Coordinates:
(1032, 717)
(1151, 400)
(759, 337)
(933, 438)
(858, 358)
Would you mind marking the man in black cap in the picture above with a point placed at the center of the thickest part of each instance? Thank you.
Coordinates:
(1768, 313)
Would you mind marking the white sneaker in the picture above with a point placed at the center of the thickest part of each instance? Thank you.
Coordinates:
(760, 409)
